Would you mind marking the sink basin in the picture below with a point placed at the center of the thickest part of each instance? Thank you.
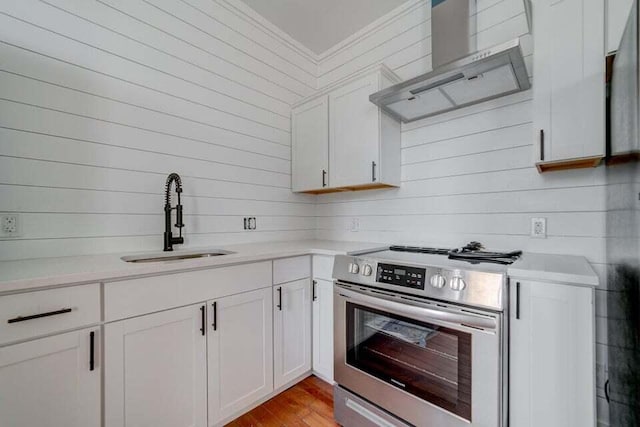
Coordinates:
(175, 256)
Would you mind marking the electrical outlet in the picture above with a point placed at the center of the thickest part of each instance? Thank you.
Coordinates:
(250, 223)
(9, 225)
(539, 228)
(355, 224)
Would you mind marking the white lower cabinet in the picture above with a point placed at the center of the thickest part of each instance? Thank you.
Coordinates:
(552, 362)
(323, 329)
(51, 381)
(292, 331)
(156, 370)
(240, 352)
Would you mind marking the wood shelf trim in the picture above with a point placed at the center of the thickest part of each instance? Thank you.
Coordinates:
(579, 163)
(362, 187)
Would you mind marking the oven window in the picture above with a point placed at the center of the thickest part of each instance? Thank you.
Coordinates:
(430, 362)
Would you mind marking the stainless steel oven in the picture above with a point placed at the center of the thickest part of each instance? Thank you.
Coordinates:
(428, 362)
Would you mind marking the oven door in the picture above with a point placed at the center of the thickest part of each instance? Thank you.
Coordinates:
(429, 364)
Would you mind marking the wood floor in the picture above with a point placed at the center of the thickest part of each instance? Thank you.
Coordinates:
(308, 403)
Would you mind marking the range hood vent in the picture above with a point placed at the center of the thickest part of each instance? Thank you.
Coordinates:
(473, 78)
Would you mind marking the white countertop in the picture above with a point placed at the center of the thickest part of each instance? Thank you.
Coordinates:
(566, 269)
(30, 274)
(20, 275)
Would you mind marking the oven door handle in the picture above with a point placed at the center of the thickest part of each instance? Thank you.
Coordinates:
(419, 312)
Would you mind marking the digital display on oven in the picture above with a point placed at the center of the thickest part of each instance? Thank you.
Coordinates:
(408, 277)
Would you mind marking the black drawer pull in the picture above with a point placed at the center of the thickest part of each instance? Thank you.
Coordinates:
(279, 298)
(203, 315)
(313, 290)
(38, 316)
(215, 315)
(517, 300)
(92, 349)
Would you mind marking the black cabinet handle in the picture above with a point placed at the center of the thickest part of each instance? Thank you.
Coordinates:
(92, 350)
(215, 315)
(313, 290)
(280, 298)
(38, 316)
(324, 178)
(203, 317)
(373, 171)
(541, 144)
(517, 300)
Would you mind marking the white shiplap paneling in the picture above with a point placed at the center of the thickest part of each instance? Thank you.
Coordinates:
(100, 100)
(468, 174)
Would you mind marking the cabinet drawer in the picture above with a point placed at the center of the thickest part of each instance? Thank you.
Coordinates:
(290, 269)
(33, 314)
(323, 267)
(129, 298)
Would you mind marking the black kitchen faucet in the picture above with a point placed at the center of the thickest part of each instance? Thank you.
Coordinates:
(169, 240)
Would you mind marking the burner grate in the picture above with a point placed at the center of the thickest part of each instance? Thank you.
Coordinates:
(470, 253)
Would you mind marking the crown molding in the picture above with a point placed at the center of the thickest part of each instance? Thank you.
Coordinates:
(376, 25)
(241, 9)
(246, 13)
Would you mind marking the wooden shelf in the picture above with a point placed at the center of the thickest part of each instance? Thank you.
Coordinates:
(580, 163)
(374, 186)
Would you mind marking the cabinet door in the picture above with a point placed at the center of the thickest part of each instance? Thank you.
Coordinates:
(552, 365)
(292, 331)
(155, 370)
(354, 133)
(569, 88)
(51, 382)
(240, 352)
(310, 146)
(323, 329)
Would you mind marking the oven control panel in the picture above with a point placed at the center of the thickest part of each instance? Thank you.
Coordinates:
(399, 275)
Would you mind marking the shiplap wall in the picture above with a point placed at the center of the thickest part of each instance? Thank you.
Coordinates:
(469, 174)
(101, 99)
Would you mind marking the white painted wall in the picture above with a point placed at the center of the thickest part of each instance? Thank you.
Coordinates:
(100, 100)
(469, 174)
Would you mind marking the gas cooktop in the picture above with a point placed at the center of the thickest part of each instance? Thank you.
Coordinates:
(472, 253)
(467, 275)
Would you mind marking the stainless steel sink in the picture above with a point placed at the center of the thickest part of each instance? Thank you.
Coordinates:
(175, 256)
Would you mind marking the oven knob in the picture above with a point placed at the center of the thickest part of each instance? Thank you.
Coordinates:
(438, 281)
(367, 270)
(354, 268)
(457, 283)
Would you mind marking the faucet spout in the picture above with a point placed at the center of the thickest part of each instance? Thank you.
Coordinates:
(169, 240)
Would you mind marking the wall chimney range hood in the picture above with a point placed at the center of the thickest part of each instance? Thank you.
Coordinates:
(458, 79)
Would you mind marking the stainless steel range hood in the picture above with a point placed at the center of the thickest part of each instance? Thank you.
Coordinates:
(473, 78)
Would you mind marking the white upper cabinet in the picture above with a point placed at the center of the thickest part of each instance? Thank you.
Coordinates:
(310, 150)
(53, 381)
(569, 81)
(156, 370)
(552, 360)
(341, 126)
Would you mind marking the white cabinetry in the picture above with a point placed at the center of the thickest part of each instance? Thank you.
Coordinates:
(569, 86)
(310, 152)
(292, 331)
(240, 352)
(552, 365)
(362, 143)
(323, 317)
(323, 329)
(51, 381)
(156, 372)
